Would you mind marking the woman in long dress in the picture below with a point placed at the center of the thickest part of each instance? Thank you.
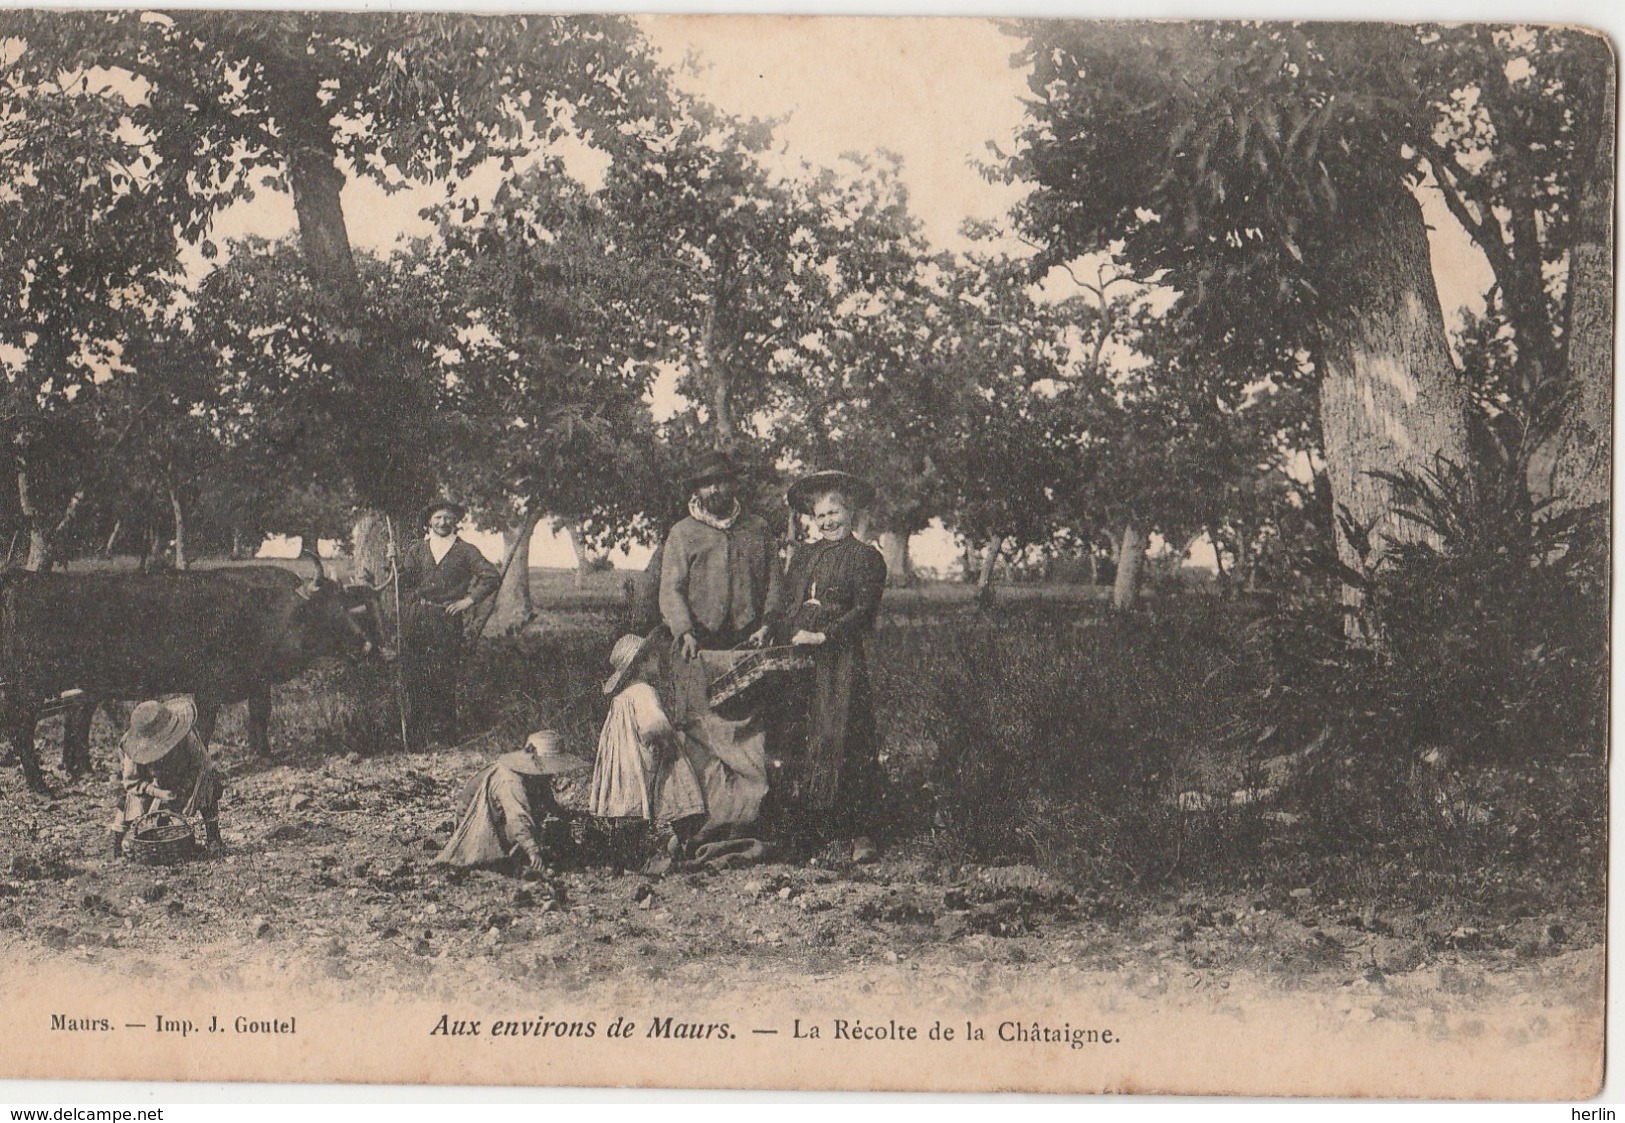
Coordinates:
(832, 597)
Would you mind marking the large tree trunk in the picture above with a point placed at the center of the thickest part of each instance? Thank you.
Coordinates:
(39, 551)
(39, 542)
(388, 453)
(1574, 467)
(1130, 565)
(369, 546)
(1390, 396)
(152, 556)
(315, 180)
(894, 548)
(990, 563)
(513, 608)
(324, 237)
(713, 358)
(1224, 578)
(1245, 571)
(179, 510)
(578, 546)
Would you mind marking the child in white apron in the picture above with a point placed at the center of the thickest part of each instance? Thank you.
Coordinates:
(642, 771)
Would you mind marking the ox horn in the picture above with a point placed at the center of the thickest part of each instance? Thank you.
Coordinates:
(363, 580)
(321, 574)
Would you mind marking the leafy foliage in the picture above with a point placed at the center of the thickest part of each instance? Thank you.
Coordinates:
(555, 351)
(866, 394)
(1061, 743)
(1492, 635)
(221, 98)
(1235, 152)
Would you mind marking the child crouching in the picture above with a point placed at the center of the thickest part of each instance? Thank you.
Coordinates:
(510, 816)
(164, 765)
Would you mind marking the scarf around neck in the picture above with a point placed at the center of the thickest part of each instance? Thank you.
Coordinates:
(440, 547)
(710, 520)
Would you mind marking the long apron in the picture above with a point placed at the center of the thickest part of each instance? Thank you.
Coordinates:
(728, 750)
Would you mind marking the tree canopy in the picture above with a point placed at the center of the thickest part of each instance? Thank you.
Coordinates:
(618, 273)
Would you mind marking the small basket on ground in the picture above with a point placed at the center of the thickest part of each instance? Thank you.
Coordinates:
(161, 838)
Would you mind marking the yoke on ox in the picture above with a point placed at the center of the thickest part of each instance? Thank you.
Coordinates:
(222, 636)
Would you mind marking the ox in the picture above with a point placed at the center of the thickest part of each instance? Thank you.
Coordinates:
(223, 636)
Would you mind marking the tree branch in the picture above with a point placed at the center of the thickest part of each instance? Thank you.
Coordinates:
(1489, 238)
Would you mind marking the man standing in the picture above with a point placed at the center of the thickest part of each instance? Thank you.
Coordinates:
(442, 578)
(718, 570)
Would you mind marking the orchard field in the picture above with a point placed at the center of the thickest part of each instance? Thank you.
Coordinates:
(1330, 305)
(1068, 812)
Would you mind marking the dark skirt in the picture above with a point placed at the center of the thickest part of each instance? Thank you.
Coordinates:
(432, 659)
(841, 773)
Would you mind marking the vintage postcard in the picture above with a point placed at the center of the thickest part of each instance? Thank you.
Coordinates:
(809, 553)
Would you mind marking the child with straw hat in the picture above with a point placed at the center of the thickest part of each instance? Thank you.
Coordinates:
(642, 772)
(164, 765)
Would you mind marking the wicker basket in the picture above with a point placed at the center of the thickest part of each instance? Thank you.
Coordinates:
(161, 838)
(752, 668)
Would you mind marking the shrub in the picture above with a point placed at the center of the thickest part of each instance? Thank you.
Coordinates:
(1064, 741)
(1481, 650)
(1489, 638)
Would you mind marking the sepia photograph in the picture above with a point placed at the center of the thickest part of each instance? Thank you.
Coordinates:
(805, 553)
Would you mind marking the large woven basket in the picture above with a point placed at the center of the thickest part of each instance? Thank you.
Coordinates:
(161, 838)
(752, 668)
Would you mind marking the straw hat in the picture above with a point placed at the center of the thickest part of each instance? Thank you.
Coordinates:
(157, 727)
(858, 492)
(624, 658)
(542, 756)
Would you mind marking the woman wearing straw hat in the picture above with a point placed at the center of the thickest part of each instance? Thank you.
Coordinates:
(164, 766)
(832, 596)
(642, 772)
(509, 810)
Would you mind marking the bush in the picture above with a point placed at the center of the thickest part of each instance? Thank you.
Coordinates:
(1065, 742)
(1036, 736)
(510, 687)
(1488, 639)
(1451, 721)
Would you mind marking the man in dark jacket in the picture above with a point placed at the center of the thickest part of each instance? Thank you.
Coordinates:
(442, 579)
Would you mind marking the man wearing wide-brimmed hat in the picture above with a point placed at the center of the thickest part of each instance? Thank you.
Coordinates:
(509, 810)
(164, 766)
(442, 578)
(718, 571)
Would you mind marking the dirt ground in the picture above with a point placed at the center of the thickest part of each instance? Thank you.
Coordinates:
(327, 878)
(327, 890)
